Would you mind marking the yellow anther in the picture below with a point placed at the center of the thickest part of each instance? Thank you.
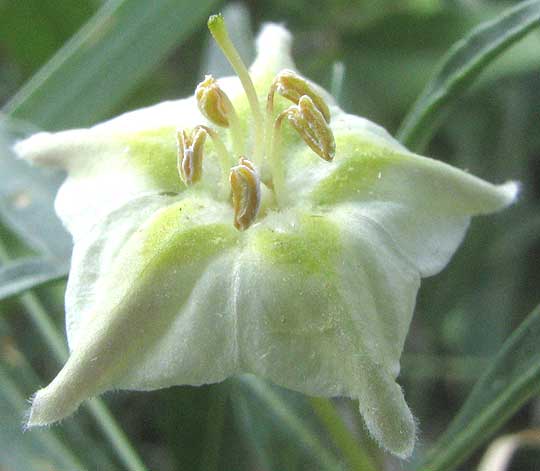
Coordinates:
(292, 86)
(309, 122)
(214, 102)
(246, 193)
(190, 154)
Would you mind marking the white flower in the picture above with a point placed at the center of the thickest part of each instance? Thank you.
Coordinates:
(307, 276)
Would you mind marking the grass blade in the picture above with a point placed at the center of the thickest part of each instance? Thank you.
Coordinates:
(463, 63)
(104, 61)
(210, 460)
(288, 418)
(250, 427)
(33, 451)
(17, 450)
(27, 197)
(21, 275)
(350, 448)
(511, 380)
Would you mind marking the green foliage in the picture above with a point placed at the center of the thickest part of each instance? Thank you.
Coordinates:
(462, 64)
(123, 42)
(512, 379)
(27, 273)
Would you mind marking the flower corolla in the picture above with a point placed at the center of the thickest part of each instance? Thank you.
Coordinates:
(215, 236)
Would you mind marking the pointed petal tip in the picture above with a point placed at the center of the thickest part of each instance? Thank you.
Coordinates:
(40, 413)
(46, 409)
(405, 450)
(510, 191)
(43, 148)
(273, 53)
(400, 444)
(48, 148)
(500, 197)
(29, 148)
(386, 414)
(273, 35)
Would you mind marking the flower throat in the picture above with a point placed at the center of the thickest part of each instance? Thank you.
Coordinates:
(309, 116)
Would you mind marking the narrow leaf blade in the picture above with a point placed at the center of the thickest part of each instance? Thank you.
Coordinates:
(289, 420)
(462, 65)
(31, 451)
(511, 380)
(105, 60)
(21, 275)
(27, 198)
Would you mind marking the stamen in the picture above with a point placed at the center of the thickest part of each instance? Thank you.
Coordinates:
(223, 155)
(275, 160)
(190, 154)
(309, 122)
(216, 25)
(246, 193)
(292, 86)
(213, 102)
(216, 106)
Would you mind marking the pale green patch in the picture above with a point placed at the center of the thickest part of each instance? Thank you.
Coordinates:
(154, 153)
(176, 236)
(311, 248)
(359, 165)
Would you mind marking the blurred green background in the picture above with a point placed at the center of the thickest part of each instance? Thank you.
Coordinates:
(69, 63)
